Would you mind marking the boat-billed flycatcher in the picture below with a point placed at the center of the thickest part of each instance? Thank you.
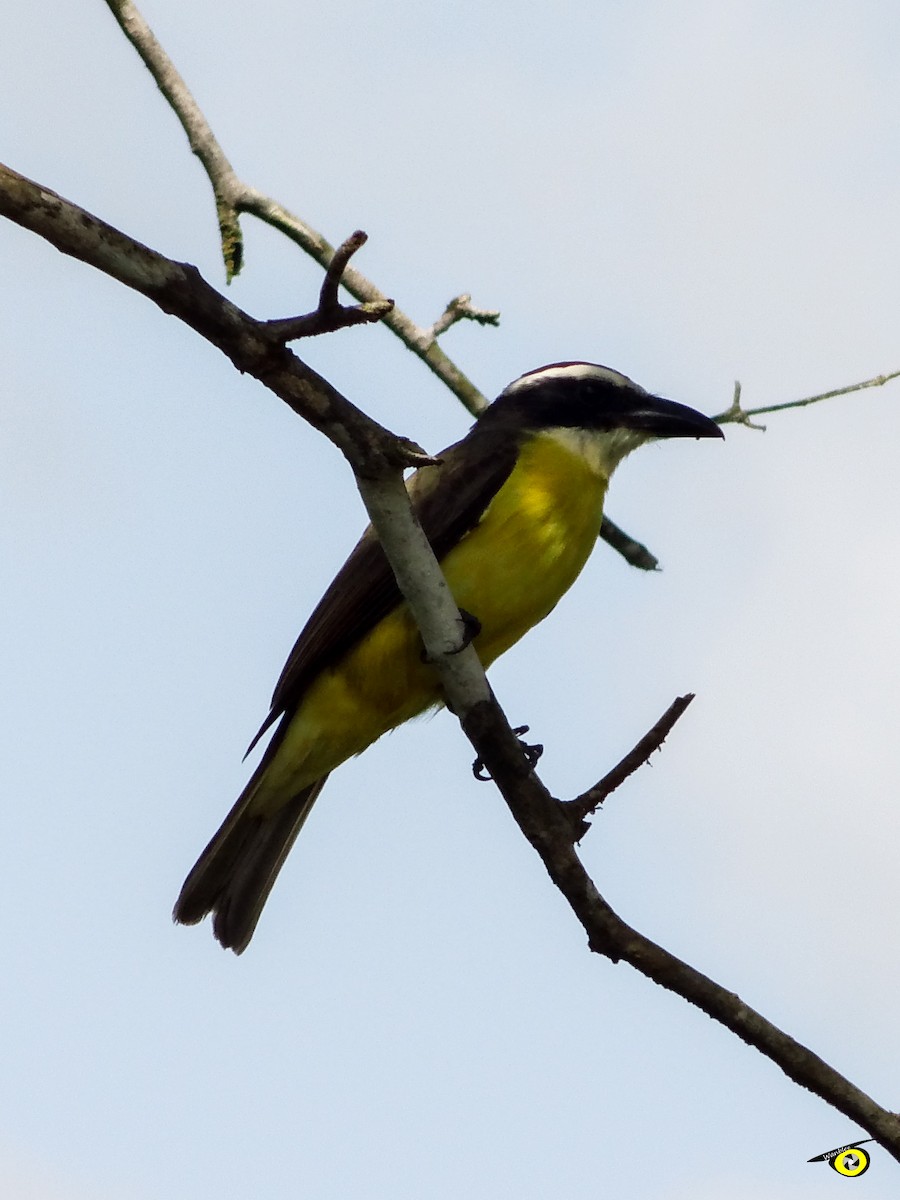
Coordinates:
(512, 511)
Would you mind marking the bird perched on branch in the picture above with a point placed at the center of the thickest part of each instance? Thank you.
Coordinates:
(512, 512)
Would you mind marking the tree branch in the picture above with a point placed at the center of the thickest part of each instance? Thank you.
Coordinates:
(634, 552)
(588, 802)
(378, 459)
(547, 825)
(180, 290)
(331, 315)
(462, 309)
(233, 197)
(738, 415)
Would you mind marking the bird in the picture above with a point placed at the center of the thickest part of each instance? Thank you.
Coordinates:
(512, 512)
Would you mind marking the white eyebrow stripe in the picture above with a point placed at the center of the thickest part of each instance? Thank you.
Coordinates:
(572, 371)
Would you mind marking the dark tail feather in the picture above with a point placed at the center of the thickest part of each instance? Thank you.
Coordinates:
(235, 873)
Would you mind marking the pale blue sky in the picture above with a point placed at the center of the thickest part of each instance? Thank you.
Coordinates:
(691, 193)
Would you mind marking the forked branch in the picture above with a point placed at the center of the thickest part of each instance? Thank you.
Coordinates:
(378, 459)
(233, 197)
(331, 315)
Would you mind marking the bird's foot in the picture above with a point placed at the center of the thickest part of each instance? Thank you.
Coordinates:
(532, 753)
(471, 627)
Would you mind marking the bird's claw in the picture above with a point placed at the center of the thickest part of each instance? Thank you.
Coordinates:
(471, 627)
(532, 754)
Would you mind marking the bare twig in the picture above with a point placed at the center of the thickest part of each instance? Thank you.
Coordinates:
(588, 802)
(290, 329)
(462, 309)
(331, 314)
(227, 188)
(328, 296)
(734, 414)
(234, 197)
(634, 552)
(742, 415)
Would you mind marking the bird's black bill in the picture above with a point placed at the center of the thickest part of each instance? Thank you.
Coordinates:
(665, 418)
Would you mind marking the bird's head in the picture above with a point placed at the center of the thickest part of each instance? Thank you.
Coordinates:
(603, 411)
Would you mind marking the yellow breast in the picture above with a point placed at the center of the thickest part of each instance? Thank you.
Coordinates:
(509, 572)
(532, 542)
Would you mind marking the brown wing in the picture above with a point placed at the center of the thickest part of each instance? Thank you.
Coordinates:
(449, 500)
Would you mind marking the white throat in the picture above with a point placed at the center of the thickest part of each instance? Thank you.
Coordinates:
(601, 451)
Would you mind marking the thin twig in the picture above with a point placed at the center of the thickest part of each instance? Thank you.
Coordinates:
(634, 552)
(741, 415)
(227, 188)
(234, 197)
(462, 309)
(328, 296)
(289, 329)
(331, 314)
(588, 802)
(735, 414)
